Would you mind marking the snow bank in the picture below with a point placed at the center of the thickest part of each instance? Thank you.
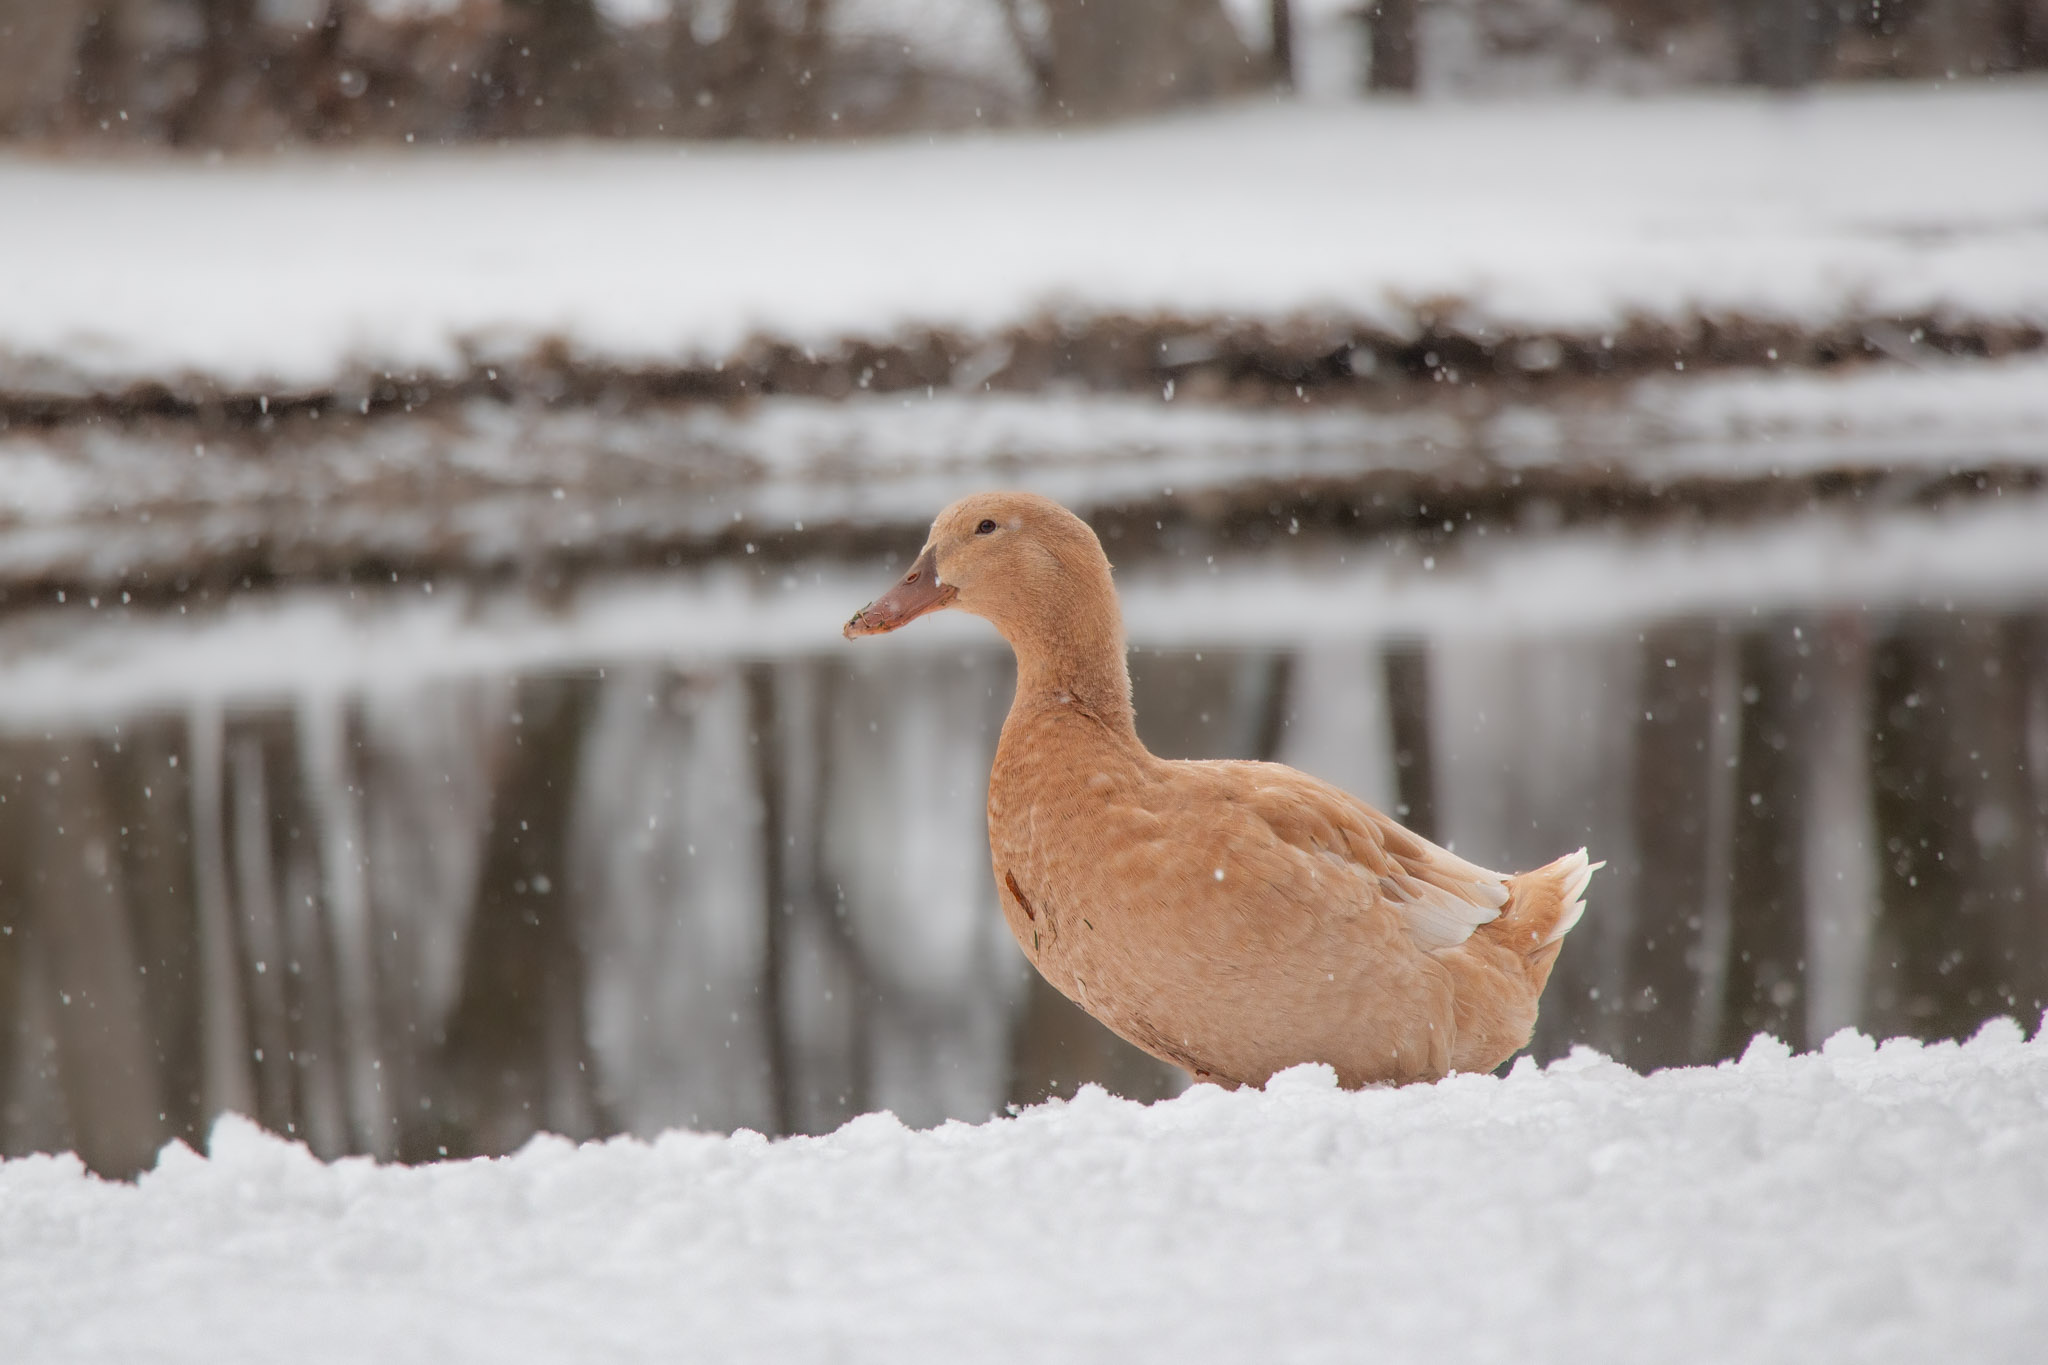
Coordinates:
(1864, 1203)
(1563, 215)
(98, 507)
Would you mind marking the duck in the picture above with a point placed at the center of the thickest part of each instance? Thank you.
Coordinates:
(1231, 918)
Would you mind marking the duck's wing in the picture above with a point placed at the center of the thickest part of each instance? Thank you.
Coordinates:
(1440, 897)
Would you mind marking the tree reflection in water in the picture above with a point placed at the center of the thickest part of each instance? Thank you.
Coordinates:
(440, 918)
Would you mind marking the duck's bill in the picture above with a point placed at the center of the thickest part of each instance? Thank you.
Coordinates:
(918, 592)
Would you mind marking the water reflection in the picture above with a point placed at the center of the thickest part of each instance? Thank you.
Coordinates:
(752, 889)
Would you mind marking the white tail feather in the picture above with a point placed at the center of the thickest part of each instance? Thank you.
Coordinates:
(1575, 872)
(1435, 918)
(1444, 898)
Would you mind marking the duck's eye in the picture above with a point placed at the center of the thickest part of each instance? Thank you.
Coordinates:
(985, 527)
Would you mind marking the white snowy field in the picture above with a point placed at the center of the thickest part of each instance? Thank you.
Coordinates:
(1559, 215)
(1864, 1203)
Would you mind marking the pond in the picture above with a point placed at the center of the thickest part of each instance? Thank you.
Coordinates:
(422, 869)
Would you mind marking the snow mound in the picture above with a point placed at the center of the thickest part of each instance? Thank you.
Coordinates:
(1869, 1203)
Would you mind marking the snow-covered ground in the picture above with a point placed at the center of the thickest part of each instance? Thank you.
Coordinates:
(1561, 215)
(1864, 1203)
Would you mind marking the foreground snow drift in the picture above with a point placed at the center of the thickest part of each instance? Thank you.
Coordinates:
(1565, 216)
(1864, 1203)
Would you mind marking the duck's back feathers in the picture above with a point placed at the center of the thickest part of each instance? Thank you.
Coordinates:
(1440, 897)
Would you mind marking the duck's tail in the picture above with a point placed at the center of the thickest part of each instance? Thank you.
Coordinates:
(1543, 906)
(1502, 983)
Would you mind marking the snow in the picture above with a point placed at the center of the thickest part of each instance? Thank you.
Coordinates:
(1869, 1203)
(1564, 214)
(477, 486)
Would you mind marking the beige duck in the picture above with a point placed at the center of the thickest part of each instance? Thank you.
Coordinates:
(1231, 918)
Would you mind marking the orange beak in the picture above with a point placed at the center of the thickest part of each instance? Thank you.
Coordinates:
(918, 593)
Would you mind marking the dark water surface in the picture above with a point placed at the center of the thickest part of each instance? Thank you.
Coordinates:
(413, 884)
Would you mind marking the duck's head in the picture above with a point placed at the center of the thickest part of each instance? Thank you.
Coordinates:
(1008, 557)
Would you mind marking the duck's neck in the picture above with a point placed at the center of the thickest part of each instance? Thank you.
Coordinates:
(1074, 658)
(1057, 607)
(1084, 669)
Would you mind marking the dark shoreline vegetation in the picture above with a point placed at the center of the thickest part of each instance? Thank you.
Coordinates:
(1226, 360)
(1245, 515)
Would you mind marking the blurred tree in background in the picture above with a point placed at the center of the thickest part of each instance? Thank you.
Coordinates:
(260, 73)
(251, 73)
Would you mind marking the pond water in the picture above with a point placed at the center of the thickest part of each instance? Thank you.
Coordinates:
(425, 869)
